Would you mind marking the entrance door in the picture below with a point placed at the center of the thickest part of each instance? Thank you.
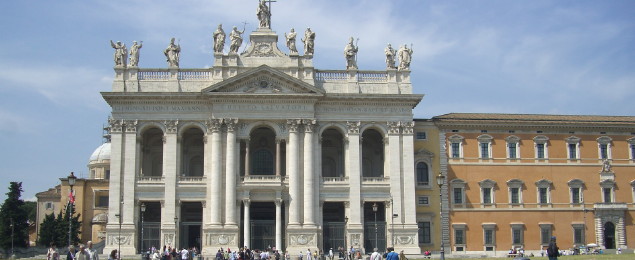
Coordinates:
(609, 235)
(263, 234)
(374, 226)
(190, 227)
(334, 226)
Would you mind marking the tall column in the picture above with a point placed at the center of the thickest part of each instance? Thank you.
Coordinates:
(129, 170)
(278, 141)
(170, 177)
(309, 187)
(115, 184)
(247, 162)
(409, 181)
(246, 223)
(230, 171)
(294, 178)
(214, 126)
(353, 159)
(278, 223)
(394, 156)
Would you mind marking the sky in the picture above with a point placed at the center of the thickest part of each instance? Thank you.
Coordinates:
(529, 57)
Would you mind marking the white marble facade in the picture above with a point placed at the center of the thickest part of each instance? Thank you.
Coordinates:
(261, 126)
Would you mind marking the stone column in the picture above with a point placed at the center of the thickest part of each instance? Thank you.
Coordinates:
(247, 170)
(294, 178)
(353, 159)
(129, 169)
(309, 186)
(278, 223)
(393, 159)
(409, 180)
(214, 126)
(170, 179)
(278, 141)
(115, 184)
(230, 171)
(246, 224)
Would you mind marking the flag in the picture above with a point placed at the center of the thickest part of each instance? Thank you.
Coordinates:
(71, 197)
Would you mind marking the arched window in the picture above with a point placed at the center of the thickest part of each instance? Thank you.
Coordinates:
(423, 175)
(152, 152)
(196, 166)
(262, 163)
(372, 154)
(332, 153)
(192, 150)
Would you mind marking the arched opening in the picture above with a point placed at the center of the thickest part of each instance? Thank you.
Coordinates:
(152, 152)
(192, 151)
(262, 152)
(332, 153)
(609, 235)
(372, 154)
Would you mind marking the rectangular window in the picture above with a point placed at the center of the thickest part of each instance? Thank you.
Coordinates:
(425, 235)
(487, 195)
(101, 201)
(543, 197)
(459, 236)
(512, 150)
(458, 196)
(545, 235)
(49, 205)
(485, 150)
(540, 151)
(517, 236)
(421, 135)
(455, 150)
(578, 235)
(604, 154)
(489, 236)
(573, 153)
(575, 195)
(107, 177)
(632, 151)
(607, 195)
(515, 195)
(424, 200)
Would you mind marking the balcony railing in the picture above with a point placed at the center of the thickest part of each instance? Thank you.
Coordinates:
(191, 179)
(376, 180)
(334, 180)
(264, 179)
(150, 179)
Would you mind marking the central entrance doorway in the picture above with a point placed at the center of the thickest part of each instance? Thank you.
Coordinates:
(374, 226)
(334, 226)
(262, 225)
(609, 235)
(190, 226)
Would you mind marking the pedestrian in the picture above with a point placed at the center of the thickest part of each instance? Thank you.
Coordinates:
(91, 252)
(52, 253)
(553, 251)
(331, 254)
(375, 255)
(185, 254)
(391, 254)
(81, 253)
(71, 253)
(113, 255)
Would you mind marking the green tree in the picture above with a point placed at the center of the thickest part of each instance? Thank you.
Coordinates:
(13, 219)
(48, 231)
(31, 209)
(61, 227)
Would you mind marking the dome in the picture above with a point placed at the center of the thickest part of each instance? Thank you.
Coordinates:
(101, 153)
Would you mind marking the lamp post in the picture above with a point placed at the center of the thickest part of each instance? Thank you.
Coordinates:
(143, 211)
(12, 229)
(176, 220)
(375, 211)
(345, 237)
(71, 183)
(440, 181)
(392, 222)
(119, 237)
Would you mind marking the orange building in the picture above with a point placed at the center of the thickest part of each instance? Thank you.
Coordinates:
(515, 180)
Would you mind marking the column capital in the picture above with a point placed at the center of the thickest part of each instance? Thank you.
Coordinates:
(214, 125)
(280, 140)
(247, 202)
(408, 127)
(293, 124)
(278, 202)
(130, 125)
(231, 124)
(171, 126)
(309, 125)
(116, 125)
(394, 127)
(353, 126)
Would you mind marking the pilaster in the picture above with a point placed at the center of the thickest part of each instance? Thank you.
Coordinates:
(169, 210)
(309, 185)
(293, 170)
(355, 229)
(214, 182)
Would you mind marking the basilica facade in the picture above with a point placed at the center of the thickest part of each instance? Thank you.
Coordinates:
(261, 150)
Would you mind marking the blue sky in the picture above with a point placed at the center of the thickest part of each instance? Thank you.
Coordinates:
(536, 57)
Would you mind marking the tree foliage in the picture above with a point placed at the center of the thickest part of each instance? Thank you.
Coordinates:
(14, 224)
(55, 229)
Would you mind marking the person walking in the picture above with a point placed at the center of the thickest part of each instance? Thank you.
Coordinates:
(553, 251)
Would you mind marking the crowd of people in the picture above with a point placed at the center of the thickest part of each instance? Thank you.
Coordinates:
(84, 252)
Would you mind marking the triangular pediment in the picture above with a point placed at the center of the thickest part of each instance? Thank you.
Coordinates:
(263, 80)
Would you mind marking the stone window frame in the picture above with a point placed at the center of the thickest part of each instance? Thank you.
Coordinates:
(485, 140)
(544, 140)
(521, 227)
(419, 233)
(461, 227)
(49, 206)
(576, 184)
(96, 195)
(513, 139)
(459, 140)
(544, 240)
(424, 156)
(573, 140)
(419, 200)
(604, 140)
(631, 148)
(543, 183)
(421, 135)
(458, 184)
(492, 227)
(515, 183)
(491, 185)
(607, 184)
(581, 227)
